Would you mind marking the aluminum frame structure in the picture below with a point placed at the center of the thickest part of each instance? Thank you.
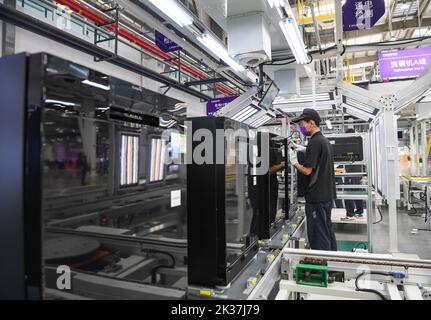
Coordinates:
(417, 274)
(414, 93)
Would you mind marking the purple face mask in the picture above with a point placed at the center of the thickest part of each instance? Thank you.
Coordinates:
(304, 131)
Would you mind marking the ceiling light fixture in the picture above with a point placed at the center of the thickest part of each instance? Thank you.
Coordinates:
(276, 3)
(219, 51)
(175, 11)
(96, 85)
(291, 32)
(357, 113)
(359, 105)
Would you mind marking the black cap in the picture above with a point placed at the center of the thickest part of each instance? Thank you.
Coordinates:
(308, 114)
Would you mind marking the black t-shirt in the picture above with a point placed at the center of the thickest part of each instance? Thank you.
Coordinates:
(319, 157)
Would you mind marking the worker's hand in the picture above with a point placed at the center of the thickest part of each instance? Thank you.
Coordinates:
(293, 157)
(298, 147)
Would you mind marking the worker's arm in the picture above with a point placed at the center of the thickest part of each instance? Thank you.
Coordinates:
(302, 169)
(277, 168)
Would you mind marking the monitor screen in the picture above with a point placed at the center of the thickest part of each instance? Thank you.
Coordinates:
(269, 96)
(347, 148)
(129, 159)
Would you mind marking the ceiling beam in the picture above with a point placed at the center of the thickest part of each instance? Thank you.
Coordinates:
(364, 59)
(397, 25)
(424, 6)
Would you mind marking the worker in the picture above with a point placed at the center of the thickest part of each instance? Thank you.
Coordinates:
(320, 192)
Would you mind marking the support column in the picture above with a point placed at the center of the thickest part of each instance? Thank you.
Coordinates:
(417, 153)
(424, 164)
(339, 39)
(391, 157)
(412, 153)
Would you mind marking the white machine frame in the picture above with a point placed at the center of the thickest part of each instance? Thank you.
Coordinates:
(414, 285)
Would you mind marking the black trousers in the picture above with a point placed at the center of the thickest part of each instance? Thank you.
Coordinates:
(352, 204)
(320, 232)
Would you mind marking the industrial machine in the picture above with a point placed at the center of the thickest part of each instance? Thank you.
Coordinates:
(326, 275)
(102, 181)
(347, 148)
(102, 195)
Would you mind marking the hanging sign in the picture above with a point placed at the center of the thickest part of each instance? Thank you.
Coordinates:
(362, 14)
(166, 44)
(404, 63)
(214, 105)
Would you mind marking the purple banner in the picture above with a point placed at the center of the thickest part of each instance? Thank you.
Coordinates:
(362, 14)
(404, 63)
(166, 44)
(214, 105)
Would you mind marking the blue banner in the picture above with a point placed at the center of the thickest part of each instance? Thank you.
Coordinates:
(166, 44)
(214, 105)
(362, 14)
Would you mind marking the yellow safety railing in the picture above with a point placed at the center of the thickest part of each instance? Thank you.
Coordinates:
(324, 11)
(428, 148)
(348, 76)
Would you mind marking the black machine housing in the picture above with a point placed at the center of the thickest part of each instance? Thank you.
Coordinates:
(217, 207)
(51, 105)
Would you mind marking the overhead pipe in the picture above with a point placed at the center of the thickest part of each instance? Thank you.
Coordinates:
(130, 36)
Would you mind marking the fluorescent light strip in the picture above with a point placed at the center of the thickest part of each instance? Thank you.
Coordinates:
(153, 159)
(359, 105)
(262, 120)
(306, 97)
(135, 160)
(357, 113)
(157, 159)
(300, 109)
(175, 11)
(244, 113)
(276, 3)
(69, 104)
(299, 100)
(291, 32)
(123, 160)
(162, 160)
(96, 85)
(248, 115)
(219, 51)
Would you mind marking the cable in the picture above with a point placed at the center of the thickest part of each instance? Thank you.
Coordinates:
(154, 270)
(390, 43)
(370, 290)
(344, 50)
(311, 58)
(273, 62)
(381, 216)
